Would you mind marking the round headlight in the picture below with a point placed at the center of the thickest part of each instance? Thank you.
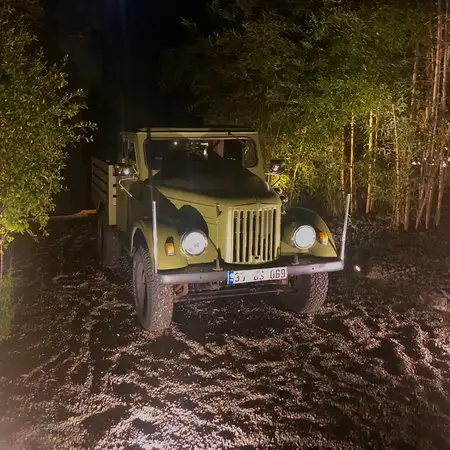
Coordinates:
(194, 243)
(304, 237)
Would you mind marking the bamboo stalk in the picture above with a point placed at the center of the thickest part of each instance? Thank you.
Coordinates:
(429, 171)
(370, 156)
(424, 167)
(438, 59)
(425, 190)
(1, 260)
(422, 187)
(436, 103)
(407, 206)
(408, 199)
(443, 109)
(432, 57)
(343, 164)
(408, 186)
(428, 194)
(414, 80)
(442, 167)
(352, 159)
(374, 160)
(429, 204)
(446, 59)
(397, 171)
(422, 200)
(293, 182)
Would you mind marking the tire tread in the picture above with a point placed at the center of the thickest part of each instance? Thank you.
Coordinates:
(160, 297)
(318, 291)
(309, 295)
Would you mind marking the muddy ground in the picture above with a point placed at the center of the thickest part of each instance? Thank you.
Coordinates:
(372, 370)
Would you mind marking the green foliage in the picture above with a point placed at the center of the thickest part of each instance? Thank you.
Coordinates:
(38, 121)
(299, 73)
(6, 305)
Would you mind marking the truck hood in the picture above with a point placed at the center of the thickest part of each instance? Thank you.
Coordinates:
(206, 188)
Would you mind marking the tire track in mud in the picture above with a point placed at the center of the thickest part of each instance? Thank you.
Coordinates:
(371, 371)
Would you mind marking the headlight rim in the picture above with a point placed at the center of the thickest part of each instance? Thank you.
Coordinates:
(294, 243)
(187, 233)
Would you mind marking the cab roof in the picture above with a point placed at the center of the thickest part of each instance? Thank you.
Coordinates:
(190, 133)
(215, 129)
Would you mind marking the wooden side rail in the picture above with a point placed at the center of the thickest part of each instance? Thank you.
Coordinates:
(104, 187)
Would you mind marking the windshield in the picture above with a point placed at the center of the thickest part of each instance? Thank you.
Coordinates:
(175, 157)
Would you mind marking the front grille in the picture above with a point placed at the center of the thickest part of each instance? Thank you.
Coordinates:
(255, 235)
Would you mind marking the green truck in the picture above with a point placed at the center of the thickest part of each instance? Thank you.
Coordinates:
(194, 211)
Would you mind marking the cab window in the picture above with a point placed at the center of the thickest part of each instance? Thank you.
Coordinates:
(205, 153)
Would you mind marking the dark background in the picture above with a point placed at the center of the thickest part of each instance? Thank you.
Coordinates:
(115, 50)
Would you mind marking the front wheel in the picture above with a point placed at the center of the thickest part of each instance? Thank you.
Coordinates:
(310, 293)
(153, 300)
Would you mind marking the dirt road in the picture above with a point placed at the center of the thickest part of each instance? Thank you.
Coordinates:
(371, 371)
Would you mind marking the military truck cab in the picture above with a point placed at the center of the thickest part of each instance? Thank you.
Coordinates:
(193, 210)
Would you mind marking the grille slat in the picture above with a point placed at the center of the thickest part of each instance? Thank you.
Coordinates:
(263, 235)
(237, 232)
(244, 237)
(250, 237)
(270, 240)
(272, 243)
(254, 235)
(257, 236)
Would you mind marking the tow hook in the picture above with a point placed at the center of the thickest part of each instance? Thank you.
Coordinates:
(218, 268)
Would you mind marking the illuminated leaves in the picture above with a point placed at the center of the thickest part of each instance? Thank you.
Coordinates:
(38, 122)
(299, 73)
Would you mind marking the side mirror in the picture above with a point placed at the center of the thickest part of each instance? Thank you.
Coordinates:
(276, 166)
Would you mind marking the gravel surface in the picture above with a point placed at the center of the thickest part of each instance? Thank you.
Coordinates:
(372, 370)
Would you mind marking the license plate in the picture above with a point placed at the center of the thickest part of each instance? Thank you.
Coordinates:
(255, 275)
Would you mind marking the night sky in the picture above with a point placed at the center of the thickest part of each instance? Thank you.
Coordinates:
(115, 49)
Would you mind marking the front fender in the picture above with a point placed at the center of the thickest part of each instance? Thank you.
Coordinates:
(165, 232)
(297, 216)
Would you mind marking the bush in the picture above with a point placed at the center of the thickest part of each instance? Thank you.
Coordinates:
(6, 306)
(39, 121)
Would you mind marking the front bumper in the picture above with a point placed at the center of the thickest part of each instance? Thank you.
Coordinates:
(197, 275)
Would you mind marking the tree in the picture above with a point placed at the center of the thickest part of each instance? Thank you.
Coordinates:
(38, 121)
(348, 93)
(308, 78)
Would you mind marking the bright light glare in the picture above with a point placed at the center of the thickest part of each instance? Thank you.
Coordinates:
(194, 243)
(304, 237)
